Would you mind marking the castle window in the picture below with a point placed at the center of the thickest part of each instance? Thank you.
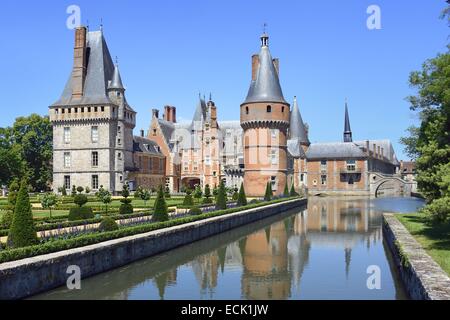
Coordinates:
(214, 173)
(76, 110)
(150, 165)
(120, 178)
(119, 155)
(94, 158)
(95, 109)
(66, 135)
(67, 160)
(323, 179)
(118, 129)
(154, 132)
(119, 142)
(273, 181)
(161, 165)
(207, 160)
(56, 111)
(102, 108)
(63, 110)
(246, 110)
(89, 109)
(95, 182)
(302, 177)
(323, 165)
(351, 165)
(118, 94)
(282, 109)
(273, 156)
(69, 110)
(66, 182)
(269, 108)
(274, 132)
(94, 134)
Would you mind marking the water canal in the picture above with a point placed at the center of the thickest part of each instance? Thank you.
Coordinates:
(319, 252)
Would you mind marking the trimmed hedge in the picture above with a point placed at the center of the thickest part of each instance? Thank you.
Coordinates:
(195, 211)
(85, 240)
(80, 213)
(108, 224)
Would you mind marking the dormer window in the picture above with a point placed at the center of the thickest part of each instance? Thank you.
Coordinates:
(269, 108)
(118, 94)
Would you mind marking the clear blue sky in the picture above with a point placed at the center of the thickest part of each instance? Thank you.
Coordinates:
(170, 50)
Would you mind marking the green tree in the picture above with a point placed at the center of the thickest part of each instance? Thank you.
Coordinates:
(207, 195)
(188, 201)
(48, 201)
(105, 197)
(160, 211)
(167, 193)
(242, 199)
(137, 193)
(221, 202)
(12, 196)
(74, 191)
(268, 194)
(235, 195)
(22, 232)
(198, 193)
(125, 207)
(286, 190)
(145, 195)
(292, 193)
(11, 163)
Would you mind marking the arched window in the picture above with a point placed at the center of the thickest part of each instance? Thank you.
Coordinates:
(246, 110)
(282, 109)
(269, 108)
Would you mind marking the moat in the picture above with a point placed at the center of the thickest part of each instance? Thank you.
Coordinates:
(319, 252)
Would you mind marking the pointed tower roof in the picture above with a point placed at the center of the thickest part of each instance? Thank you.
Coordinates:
(266, 86)
(199, 115)
(116, 82)
(347, 130)
(297, 127)
(99, 71)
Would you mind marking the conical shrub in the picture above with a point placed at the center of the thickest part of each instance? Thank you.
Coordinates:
(242, 198)
(292, 193)
(286, 190)
(160, 212)
(22, 232)
(268, 194)
(221, 203)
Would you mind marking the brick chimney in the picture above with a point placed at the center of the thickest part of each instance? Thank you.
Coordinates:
(167, 114)
(255, 66)
(79, 63)
(174, 114)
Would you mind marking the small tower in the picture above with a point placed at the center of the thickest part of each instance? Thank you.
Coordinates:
(265, 121)
(347, 130)
(297, 129)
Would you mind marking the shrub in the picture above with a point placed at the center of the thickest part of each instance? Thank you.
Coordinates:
(137, 193)
(286, 190)
(254, 201)
(64, 192)
(87, 190)
(292, 193)
(74, 191)
(22, 232)
(80, 189)
(48, 201)
(438, 210)
(167, 193)
(188, 201)
(198, 193)
(125, 207)
(207, 195)
(80, 213)
(195, 211)
(108, 224)
(7, 219)
(160, 212)
(145, 195)
(242, 198)
(268, 194)
(221, 202)
(80, 199)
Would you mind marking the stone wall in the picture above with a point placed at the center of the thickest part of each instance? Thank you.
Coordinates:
(22, 278)
(422, 277)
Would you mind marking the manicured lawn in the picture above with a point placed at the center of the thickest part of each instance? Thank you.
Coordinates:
(435, 239)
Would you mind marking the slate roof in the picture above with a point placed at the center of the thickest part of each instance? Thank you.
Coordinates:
(297, 128)
(266, 87)
(295, 149)
(334, 150)
(142, 144)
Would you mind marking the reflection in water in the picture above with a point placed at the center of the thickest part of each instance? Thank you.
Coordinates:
(319, 252)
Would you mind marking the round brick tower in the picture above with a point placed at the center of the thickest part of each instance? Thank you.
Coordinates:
(265, 121)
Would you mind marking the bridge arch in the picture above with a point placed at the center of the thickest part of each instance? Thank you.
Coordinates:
(388, 184)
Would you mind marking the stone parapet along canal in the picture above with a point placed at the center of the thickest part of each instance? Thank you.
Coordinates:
(319, 252)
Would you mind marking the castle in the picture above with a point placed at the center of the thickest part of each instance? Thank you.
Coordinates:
(94, 145)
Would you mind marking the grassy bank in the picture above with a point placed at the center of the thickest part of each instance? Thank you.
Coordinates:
(435, 239)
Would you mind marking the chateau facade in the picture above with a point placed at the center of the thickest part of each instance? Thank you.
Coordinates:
(94, 143)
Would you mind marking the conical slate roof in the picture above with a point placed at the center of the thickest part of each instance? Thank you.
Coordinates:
(266, 87)
(347, 130)
(199, 115)
(116, 82)
(99, 72)
(297, 127)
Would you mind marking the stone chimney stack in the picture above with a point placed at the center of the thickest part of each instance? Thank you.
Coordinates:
(255, 66)
(276, 63)
(79, 63)
(367, 148)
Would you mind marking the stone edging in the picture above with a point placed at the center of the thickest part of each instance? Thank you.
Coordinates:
(29, 276)
(422, 277)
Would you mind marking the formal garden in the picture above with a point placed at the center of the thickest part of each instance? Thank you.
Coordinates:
(35, 225)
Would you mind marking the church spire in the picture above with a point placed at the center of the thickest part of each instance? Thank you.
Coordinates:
(347, 130)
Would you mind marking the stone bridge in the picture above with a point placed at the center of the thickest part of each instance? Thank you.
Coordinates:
(383, 184)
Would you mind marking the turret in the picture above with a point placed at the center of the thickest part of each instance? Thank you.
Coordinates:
(347, 130)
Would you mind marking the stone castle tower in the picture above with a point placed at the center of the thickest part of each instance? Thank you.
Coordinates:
(92, 121)
(265, 120)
